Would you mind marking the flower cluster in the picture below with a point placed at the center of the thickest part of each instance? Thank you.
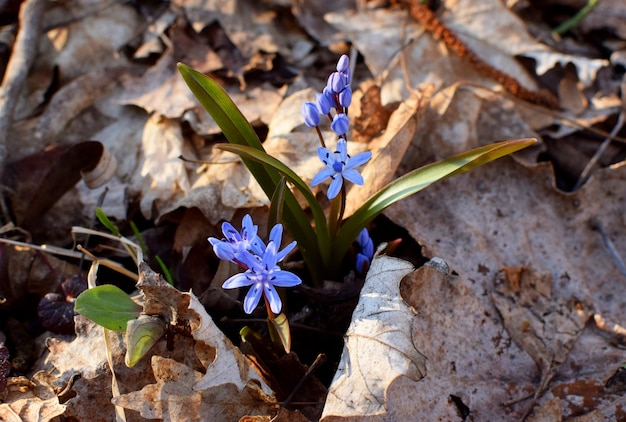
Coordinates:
(338, 95)
(339, 164)
(260, 261)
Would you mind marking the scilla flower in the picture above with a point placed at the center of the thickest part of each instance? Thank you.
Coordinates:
(247, 250)
(340, 165)
(229, 248)
(263, 275)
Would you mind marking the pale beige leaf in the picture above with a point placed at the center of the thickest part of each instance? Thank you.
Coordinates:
(162, 176)
(378, 348)
(386, 149)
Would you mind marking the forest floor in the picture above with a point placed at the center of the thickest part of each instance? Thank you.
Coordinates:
(522, 315)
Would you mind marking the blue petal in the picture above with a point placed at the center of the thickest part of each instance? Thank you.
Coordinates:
(323, 103)
(363, 237)
(359, 159)
(324, 154)
(269, 258)
(248, 229)
(250, 261)
(282, 254)
(285, 279)
(224, 251)
(257, 246)
(276, 235)
(353, 176)
(342, 149)
(334, 187)
(362, 263)
(323, 174)
(238, 280)
(252, 298)
(230, 232)
(273, 298)
(345, 97)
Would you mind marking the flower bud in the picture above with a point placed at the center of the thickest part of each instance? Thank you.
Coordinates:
(340, 124)
(324, 102)
(310, 114)
(343, 63)
(336, 82)
(345, 97)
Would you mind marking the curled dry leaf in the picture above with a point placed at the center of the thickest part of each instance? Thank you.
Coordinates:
(174, 398)
(378, 349)
(228, 378)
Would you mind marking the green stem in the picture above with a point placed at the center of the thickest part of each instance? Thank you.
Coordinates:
(577, 18)
(337, 208)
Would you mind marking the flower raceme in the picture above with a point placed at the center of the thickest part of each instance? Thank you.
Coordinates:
(336, 95)
(260, 261)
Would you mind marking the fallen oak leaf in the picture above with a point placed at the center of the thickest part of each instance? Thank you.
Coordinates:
(39, 180)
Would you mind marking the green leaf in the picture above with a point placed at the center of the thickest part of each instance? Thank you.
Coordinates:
(108, 306)
(277, 204)
(268, 160)
(106, 222)
(141, 335)
(139, 238)
(414, 182)
(166, 271)
(238, 131)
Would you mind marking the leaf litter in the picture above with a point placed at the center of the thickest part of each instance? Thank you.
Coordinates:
(529, 323)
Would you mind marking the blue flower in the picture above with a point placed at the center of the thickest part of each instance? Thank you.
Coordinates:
(364, 257)
(310, 114)
(339, 165)
(229, 248)
(263, 274)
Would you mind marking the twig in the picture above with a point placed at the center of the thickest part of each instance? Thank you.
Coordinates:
(597, 225)
(24, 52)
(425, 17)
(618, 126)
(320, 359)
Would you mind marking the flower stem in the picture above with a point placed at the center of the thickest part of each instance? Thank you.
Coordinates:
(337, 208)
(319, 134)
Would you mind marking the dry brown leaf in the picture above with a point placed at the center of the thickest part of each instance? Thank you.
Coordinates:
(539, 320)
(30, 400)
(173, 397)
(162, 176)
(390, 39)
(607, 14)
(95, 34)
(504, 215)
(386, 149)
